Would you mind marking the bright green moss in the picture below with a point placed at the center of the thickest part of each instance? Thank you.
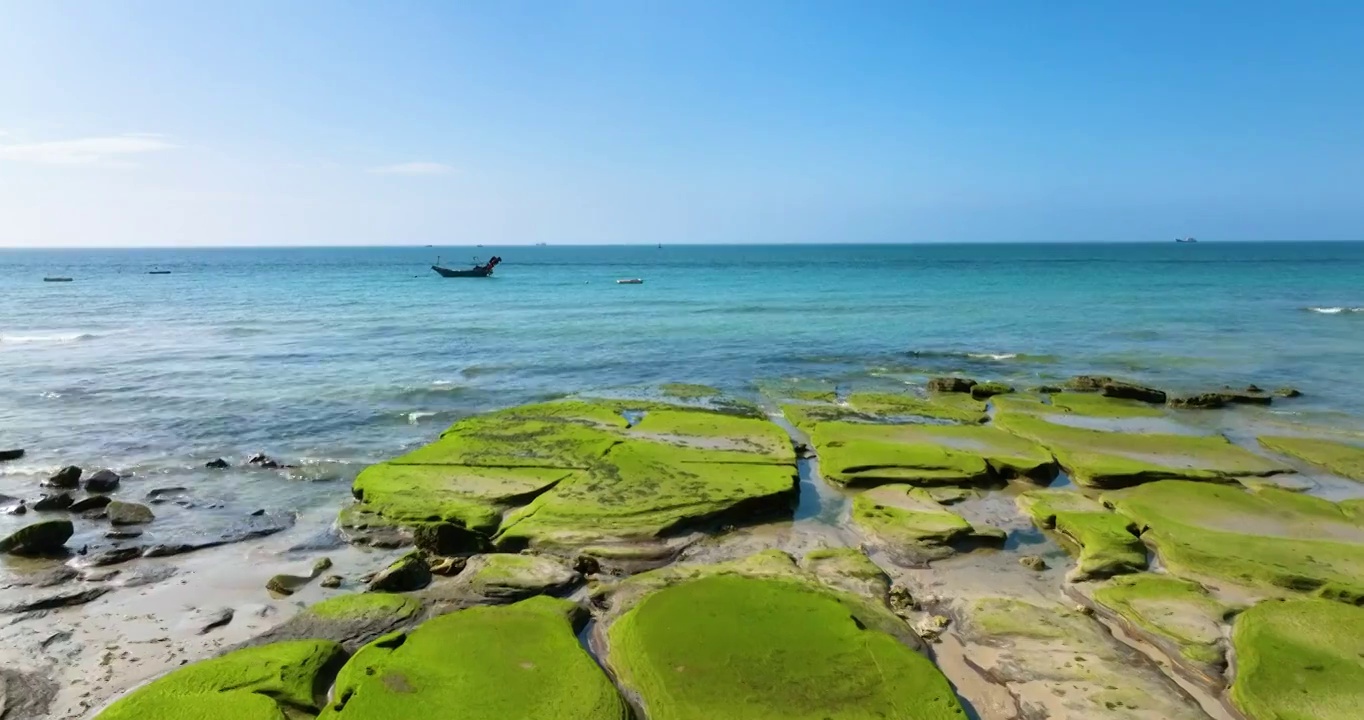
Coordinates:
(1299, 660)
(485, 663)
(472, 497)
(1343, 459)
(725, 438)
(729, 647)
(860, 454)
(258, 683)
(900, 515)
(1094, 405)
(1107, 542)
(952, 406)
(360, 606)
(1116, 459)
(1270, 538)
(1174, 612)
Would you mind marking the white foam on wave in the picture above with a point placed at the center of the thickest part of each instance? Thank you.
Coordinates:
(442, 383)
(1335, 310)
(415, 417)
(53, 339)
(992, 356)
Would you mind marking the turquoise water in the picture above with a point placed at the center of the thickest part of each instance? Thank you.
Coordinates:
(332, 358)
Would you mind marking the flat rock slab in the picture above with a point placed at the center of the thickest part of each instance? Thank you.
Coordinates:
(1265, 538)
(1107, 543)
(1063, 665)
(258, 683)
(351, 620)
(1341, 458)
(728, 645)
(486, 663)
(865, 454)
(1300, 659)
(1096, 458)
(502, 577)
(909, 524)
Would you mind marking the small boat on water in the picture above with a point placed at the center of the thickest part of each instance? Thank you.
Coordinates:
(630, 281)
(158, 272)
(56, 279)
(478, 270)
(1185, 240)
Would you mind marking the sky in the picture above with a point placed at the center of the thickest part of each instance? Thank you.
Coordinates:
(170, 123)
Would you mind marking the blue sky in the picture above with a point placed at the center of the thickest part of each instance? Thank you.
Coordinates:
(328, 123)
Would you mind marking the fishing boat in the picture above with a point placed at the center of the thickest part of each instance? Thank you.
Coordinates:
(1185, 240)
(478, 270)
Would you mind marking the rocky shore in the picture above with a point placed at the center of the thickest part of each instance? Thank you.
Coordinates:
(959, 549)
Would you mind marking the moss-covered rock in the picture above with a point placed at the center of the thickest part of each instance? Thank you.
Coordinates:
(1108, 543)
(357, 606)
(859, 454)
(958, 408)
(951, 385)
(504, 577)
(1064, 664)
(1178, 616)
(909, 524)
(352, 620)
(1343, 459)
(1275, 540)
(688, 391)
(41, 538)
(847, 569)
(1299, 659)
(736, 646)
(485, 663)
(128, 513)
(1116, 459)
(270, 682)
(986, 390)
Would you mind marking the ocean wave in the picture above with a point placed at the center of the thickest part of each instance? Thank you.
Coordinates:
(988, 356)
(1339, 310)
(414, 418)
(53, 339)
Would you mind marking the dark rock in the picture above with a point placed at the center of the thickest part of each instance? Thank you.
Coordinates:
(1033, 562)
(161, 492)
(205, 621)
(1048, 389)
(1215, 400)
(219, 464)
(409, 572)
(1088, 383)
(261, 460)
(901, 600)
(951, 385)
(982, 391)
(447, 539)
(257, 513)
(1288, 392)
(44, 538)
(93, 502)
(18, 508)
(1254, 389)
(1129, 391)
(104, 481)
(67, 478)
(66, 597)
(111, 557)
(332, 582)
(128, 513)
(15, 454)
(123, 534)
(586, 564)
(60, 501)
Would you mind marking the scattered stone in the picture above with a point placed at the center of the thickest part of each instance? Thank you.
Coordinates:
(449, 566)
(332, 582)
(1033, 562)
(93, 502)
(261, 460)
(157, 493)
(7, 455)
(586, 564)
(65, 597)
(43, 538)
(931, 626)
(18, 508)
(219, 464)
(287, 585)
(205, 621)
(982, 391)
(1084, 609)
(951, 385)
(123, 533)
(60, 501)
(68, 478)
(901, 601)
(1288, 392)
(104, 481)
(258, 512)
(128, 513)
(1129, 391)
(409, 572)
(111, 557)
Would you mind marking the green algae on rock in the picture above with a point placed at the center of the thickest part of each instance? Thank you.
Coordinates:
(688, 391)
(859, 454)
(1299, 659)
(1107, 542)
(269, 682)
(908, 523)
(958, 408)
(1063, 664)
(1265, 538)
(847, 569)
(483, 663)
(503, 576)
(366, 605)
(1340, 458)
(351, 620)
(1101, 459)
(40, 538)
(1178, 616)
(735, 646)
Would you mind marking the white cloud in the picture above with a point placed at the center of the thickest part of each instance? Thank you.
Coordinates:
(84, 151)
(414, 168)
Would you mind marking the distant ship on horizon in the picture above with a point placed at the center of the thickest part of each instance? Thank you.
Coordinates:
(1186, 240)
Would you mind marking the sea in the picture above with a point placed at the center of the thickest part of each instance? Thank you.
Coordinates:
(330, 359)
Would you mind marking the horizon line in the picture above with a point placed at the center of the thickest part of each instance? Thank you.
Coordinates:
(676, 244)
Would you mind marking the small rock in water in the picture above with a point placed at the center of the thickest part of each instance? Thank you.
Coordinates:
(1033, 562)
(218, 464)
(67, 478)
(123, 534)
(262, 460)
(14, 454)
(158, 493)
(258, 512)
(332, 581)
(60, 501)
(951, 385)
(1084, 609)
(43, 538)
(13, 505)
(1288, 392)
(103, 481)
(93, 502)
(321, 566)
(127, 513)
(287, 585)
(409, 572)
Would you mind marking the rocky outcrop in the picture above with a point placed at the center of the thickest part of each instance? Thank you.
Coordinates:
(951, 385)
(91, 502)
(983, 391)
(68, 478)
(104, 481)
(58, 501)
(128, 513)
(11, 454)
(409, 572)
(43, 538)
(217, 464)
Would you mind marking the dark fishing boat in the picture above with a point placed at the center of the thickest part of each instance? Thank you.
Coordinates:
(484, 270)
